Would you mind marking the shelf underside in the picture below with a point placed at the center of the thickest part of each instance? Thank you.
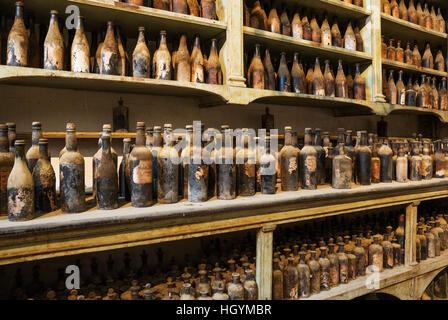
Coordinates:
(411, 69)
(58, 234)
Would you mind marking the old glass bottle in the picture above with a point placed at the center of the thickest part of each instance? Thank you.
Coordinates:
(289, 163)
(434, 231)
(213, 67)
(246, 174)
(71, 168)
(209, 9)
(388, 253)
(226, 169)
(426, 168)
(179, 6)
(363, 161)
(161, 62)
(110, 55)
(18, 40)
(392, 89)
(410, 94)
(268, 170)
(340, 82)
(197, 62)
(20, 187)
(80, 50)
(359, 39)
(430, 243)
(416, 57)
(277, 280)
(307, 33)
(162, 4)
(32, 154)
(284, 21)
(442, 23)
(428, 59)
(441, 235)
(316, 33)
(258, 17)
(123, 61)
(255, 73)
(326, 32)
(6, 165)
(403, 11)
(435, 94)
(423, 243)
(324, 263)
(415, 163)
(336, 37)
(107, 179)
(359, 85)
(194, 8)
(375, 167)
(97, 61)
(236, 289)
(407, 56)
(274, 21)
(298, 75)
(422, 94)
(182, 70)
(250, 286)
(329, 80)
(443, 95)
(290, 281)
(360, 254)
(400, 89)
(350, 38)
(124, 173)
(391, 51)
(308, 162)
(11, 136)
(320, 170)
(168, 170)
(376, 254)
(44, 181)
(412, 12)
(141, 57)
(315, 272)
(343, 264)
(296, 26)
(427, 17)
(283, 75)
(334, 265)
(386, 164)
(420, 15)
(402, 165)
(141, 170)
(342, 169)
(318, 82)
(439, 61)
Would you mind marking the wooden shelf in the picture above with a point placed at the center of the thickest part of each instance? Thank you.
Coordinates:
(58, 234)
(409, 68)
(206, 93)
(407, 31)
(277, 43)
(336, 8)
(395, 108)
(129, 17)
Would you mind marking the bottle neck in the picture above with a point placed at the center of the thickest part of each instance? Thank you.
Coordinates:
(105, 145)
(19, 153)
(308, 139)
(288, 138)
(140, 137)
(257, 51)
(43, 151)
(157, 139)
(36, 135)
(71, 142)
(141, 36)
(19, 12)
(4, 143)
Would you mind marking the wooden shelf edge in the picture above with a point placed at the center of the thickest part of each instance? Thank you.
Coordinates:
(412, 68)
(413, 26)
(395, 108)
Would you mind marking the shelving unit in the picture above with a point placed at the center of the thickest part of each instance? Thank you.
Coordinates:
(409, 68)
(57, 234)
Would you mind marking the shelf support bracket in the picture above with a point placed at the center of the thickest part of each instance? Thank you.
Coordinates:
(410, 250)
(265, 237)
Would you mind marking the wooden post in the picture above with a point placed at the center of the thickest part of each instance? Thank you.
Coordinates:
(411, 234)
(375, 40)
(234, 48)
(265, 237)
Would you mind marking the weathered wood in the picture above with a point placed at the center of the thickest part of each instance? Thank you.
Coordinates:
(234, 48)
(396, 65)
(410, 257)
(265, 237)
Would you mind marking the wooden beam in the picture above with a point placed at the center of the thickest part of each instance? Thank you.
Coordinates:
(411, 234)
(265, 237)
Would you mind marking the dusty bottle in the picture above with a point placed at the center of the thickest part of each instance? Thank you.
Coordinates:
(20, 187)
(399, 52)
(439, 61)
(343, 264)
(334, 265)
(44, 181)
(155, 149)
(412, 12)
(386, 164)
(298, 76)
(388, 253)
(435, 94)
(391, 89)
(315, 272)
(245, 159)
(123, 61)
(320, 170)
(326, 32)
(383, 48)
(426, 168)
(140, 57)
(18, 40)
(213, 67)
(340, 82)
(289, 163)
(430, 243)
(391, 52)
(6, 165)
(268, 70)
(427, 59)
(250, 286)
(307, 33)
(161, 62)
(168, 170)
(197, 62)
(316, 33)
(415, 163)
(359, 85)
(442, 23)
(283, 75)
(400, 89)
(141, 170)
(258, 17)
(308, 161)
(110, 55)
(336, 37)
(80, 50)
(194, 8)
(432, 228)
(296, 26)
(420, 15)
(179, 6)
(363, 161)
(268, 170)
(416, 57)
(350, 38)
(97, 61)
(182, 69)
(286, 25)
(71, 168)
(427, 17)
(318, 81)
(277, 281)
(360, 254)
(422, 94)
(325, 264)
(376, 254)
(124, 173)
(408, 54)
(423, 243)
(443, 95)
(402, 166)
(209, 9)
(359, 40)
(236, 289)
(437, 229)
(342, 169)
(329, 80)
(33, 153)
(11, 136)
(274, 21)
(309, 79)
(185, 158)
(162, 4)
(394, 10)
(226, 169)
(255, 73)
(290, 281)
(107, 179)
(410, 94)
(403, 11)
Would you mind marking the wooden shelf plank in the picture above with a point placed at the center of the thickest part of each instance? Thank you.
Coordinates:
(337, 8)
(277, 42)
(395, 108)
(407, 31)
(99, 82)
(58, 234)
(409, 68)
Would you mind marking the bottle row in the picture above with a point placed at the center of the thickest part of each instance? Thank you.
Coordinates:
(224, 271)
(413, 56)
(261, 75)
(426, 95)
(300, 28)
(202, 8)
(110, 56)
(152, 173)
(317, 256)
(417, 15)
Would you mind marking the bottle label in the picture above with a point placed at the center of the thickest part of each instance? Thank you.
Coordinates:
(292, 165)
(142, 173)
